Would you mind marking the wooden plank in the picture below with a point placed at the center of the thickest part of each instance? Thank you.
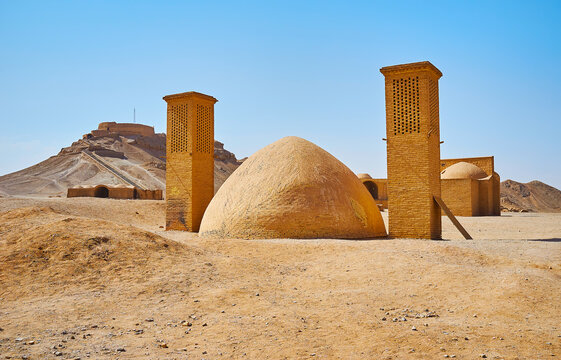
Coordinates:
(452, 218)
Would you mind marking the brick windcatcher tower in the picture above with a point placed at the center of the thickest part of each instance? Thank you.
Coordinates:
(413, 150)
(189, 159)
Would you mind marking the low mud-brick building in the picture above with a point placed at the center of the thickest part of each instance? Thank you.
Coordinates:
(114, 192)
(471, 187)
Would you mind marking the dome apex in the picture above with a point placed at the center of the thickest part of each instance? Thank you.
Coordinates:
(463, 170)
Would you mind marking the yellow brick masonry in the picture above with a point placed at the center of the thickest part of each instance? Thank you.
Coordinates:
(461, 196)
(413, 150)
(189, 159)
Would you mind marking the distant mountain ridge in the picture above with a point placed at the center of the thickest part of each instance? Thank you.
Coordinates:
(534, 196)
(138, 157)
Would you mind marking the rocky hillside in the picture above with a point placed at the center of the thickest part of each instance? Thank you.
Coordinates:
(534, 196)
(139, 158)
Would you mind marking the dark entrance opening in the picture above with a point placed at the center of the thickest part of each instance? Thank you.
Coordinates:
(372, 188)
(101, 192)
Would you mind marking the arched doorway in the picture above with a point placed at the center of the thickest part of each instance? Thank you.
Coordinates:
(101, 192)
(372, 188)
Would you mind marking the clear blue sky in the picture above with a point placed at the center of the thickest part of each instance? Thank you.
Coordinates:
(304, 68)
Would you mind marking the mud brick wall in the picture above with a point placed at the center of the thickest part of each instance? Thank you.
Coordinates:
(461, 196)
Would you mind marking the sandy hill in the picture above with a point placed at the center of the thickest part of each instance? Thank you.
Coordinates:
(534, 196)
(136, 157)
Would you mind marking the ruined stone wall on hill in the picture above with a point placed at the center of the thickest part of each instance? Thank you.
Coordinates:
(125, 129)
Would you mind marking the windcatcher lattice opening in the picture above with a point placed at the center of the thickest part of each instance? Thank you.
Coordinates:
(204, 142)
(406, 105)
(178, 129)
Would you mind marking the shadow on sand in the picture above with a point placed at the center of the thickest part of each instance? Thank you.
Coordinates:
(547, 240)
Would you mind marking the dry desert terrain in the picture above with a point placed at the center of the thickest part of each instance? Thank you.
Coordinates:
(100, 279)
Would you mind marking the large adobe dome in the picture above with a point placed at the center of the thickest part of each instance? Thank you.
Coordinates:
(292, 189)
(463, 170)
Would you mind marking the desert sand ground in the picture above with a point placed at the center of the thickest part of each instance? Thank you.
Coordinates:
(100, 279)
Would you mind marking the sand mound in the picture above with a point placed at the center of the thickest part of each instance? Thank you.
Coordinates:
(40, 246)
(292, 189)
